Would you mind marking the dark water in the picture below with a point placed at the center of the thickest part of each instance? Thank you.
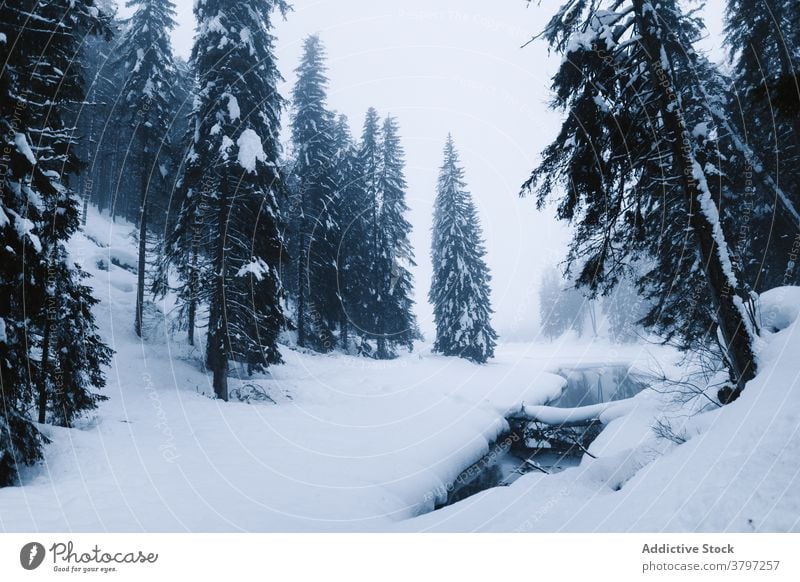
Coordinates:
(512, 455)
(593, 384)
(507, 468)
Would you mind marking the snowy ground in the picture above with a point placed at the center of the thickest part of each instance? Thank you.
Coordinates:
(738, 471)
(358, 445)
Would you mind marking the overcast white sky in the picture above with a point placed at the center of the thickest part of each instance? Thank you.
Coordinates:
(444, 66)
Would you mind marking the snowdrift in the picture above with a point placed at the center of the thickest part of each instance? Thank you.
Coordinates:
(341, 443)
(348, 444)
(737, 471)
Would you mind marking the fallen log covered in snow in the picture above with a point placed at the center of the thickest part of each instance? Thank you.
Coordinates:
(604, 412)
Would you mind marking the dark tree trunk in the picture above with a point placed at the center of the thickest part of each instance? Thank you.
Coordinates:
(221, 378)
(83, 189)
(87, 184)
(193, 285)
(142, 245)
(7, 387)
(302, 267)
(114, 181)
(730, 319)
(103, 181)
(343, 331)
(382, 353)
(45, 371)
(217, 352)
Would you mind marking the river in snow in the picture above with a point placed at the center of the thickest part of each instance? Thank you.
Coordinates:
(513, 455)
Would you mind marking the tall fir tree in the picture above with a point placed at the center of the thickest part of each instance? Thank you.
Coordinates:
(146, 56)
(624, 308)
(230, 221)
(104, 133)
(562, 307)
(361, 235)
(763, 37)
(395, 323)
(39, 286)
(352, 238)
(79, 354)
(315, 220)
(183, 225)
(551, 318)
(643, 158)
(89, 118)
(460, 286)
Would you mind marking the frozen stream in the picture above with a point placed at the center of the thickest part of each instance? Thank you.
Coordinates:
(512, 455)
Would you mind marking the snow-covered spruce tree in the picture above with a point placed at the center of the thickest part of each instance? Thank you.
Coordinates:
(624, 308)
(763, 37)
(90, 119)
(38, 214)
(146, 58)
(640, 158)
(79, 355)
(350, 245)
(395, 320)
(230, 213)
(186, 228)
(103, 134)
(173, 153)
(315, 218)
(361, 298)
(289, 205)
(552, 322)
(460, 286)
(561, 306)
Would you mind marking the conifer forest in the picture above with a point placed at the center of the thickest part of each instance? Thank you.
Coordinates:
(300, 266)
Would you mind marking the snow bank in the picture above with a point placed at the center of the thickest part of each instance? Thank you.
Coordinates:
(349, 445)
(779, 308)
(352, 444)
(736, 471)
